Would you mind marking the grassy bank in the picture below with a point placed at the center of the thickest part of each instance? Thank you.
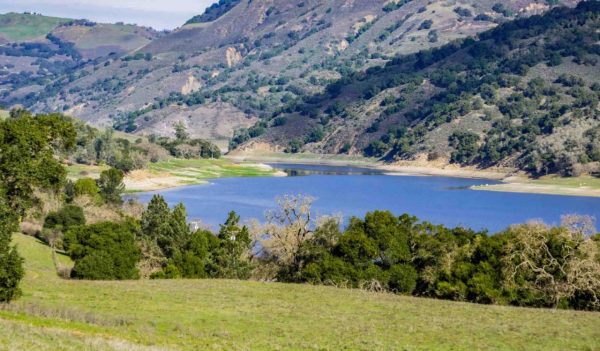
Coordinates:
(241, 315)
(574, 186)
(177, 172)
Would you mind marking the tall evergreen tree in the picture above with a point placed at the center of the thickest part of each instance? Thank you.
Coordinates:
(111, 186)
(155, 217)
(235, 243)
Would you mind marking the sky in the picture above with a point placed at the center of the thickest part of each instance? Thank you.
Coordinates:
(159, 14)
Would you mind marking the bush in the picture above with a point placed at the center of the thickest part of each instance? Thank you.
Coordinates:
(104, 251)
(11, 270)
(59, 222)
(67, 217)
(403, 279)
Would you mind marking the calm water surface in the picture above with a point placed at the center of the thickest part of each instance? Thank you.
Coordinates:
(351, 191)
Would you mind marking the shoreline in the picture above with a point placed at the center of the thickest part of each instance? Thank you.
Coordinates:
(388, 169)
(510, 180)
(171, 175)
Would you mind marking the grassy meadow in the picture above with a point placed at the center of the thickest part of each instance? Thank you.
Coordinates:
(56, 314)
(17, 27)
(200, 169)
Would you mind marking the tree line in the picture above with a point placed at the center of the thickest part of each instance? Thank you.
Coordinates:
(531, 264)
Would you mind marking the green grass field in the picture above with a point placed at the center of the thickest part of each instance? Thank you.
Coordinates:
(55, 314)
(575, 182)
(200, 169)
(23, 27)
(572, 186)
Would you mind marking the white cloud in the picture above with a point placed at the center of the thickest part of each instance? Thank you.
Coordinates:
(160, 14)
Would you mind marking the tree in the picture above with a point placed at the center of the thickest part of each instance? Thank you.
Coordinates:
(104, 251)
(27, 148)
(11, 264)
(111, 186)
(154, 219)
(231, 258)
(169, 247)
(466, 146)
(192, 260)
(288, 227)
(59, 222)
(157, 213)
(554, 266)
(86, 187)
(175, 233)
(181, 133)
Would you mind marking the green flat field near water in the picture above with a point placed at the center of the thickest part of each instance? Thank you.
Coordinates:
(200, 169)
(56, 314)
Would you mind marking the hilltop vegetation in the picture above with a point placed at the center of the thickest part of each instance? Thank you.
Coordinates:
(40, 54)
(214, 11)
(24, 27)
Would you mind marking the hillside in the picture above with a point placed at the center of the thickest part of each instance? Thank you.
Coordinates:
(16, 27)
(222, 314)
(523, 95)
(242, 61)
(40, 54)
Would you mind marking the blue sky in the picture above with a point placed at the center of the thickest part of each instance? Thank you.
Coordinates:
(160, 14)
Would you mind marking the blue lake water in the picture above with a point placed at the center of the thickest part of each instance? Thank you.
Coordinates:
(353, 191)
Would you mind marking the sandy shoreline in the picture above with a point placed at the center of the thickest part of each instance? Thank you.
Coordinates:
(532, 188)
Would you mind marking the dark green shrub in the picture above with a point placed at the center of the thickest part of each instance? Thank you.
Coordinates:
(104, 251)
(403, 278)
(67, 217)
(11, 266)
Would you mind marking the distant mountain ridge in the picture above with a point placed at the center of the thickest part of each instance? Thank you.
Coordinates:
(214, 11)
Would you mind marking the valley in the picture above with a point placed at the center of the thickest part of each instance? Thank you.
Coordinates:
(300, 175)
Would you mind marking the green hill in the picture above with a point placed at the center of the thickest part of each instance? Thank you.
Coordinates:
(17, 27)
(240, 315)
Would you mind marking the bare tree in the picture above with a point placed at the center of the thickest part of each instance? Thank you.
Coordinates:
(559, 262)
(286, 228)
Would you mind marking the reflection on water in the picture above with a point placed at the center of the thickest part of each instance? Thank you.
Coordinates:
(295, 170)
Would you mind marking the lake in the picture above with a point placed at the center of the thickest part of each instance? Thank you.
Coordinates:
(352, 191)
